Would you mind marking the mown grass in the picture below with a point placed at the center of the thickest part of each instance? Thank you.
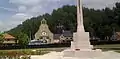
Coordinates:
(23, 52)
(39, 51)
(109, 47)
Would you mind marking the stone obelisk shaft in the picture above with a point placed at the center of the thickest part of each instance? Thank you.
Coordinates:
(81, 38)
(80, 27)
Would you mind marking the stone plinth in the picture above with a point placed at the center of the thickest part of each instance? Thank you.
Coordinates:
(83, 53)
(81, 40)
(81, 47)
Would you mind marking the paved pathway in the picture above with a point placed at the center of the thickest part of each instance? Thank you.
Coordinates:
(59, 55)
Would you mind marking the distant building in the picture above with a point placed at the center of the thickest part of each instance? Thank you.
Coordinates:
(57, 38)
(9, 39)
(64, 37)
(44, 34)
(116, 36)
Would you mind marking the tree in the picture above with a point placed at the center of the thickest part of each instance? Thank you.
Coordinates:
(23, 39)
(1, 38)
(117, 13)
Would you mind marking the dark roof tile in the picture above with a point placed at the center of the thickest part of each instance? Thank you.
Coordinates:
(67, 34)
(56, 36)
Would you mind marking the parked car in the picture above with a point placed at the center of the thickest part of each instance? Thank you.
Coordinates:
(36, 42)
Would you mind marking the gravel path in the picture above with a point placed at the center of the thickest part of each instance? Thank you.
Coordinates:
(59, 55)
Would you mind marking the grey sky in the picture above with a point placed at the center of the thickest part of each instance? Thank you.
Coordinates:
(14, 12)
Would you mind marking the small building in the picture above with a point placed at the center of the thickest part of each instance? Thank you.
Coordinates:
(116, 36)
(57, 38)
(9, 39)
(66, 36)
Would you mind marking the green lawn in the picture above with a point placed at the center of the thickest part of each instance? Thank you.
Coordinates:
(24, 52)
(39, 51)
(109, 47)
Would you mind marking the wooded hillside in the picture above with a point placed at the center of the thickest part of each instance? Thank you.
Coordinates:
(100, 23)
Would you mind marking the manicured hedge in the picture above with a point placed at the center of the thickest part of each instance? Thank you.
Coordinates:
(56, 45)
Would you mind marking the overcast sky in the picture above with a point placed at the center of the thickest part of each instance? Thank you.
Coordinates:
(14, 12)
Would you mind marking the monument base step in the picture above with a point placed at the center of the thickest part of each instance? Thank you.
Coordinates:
(82, 53)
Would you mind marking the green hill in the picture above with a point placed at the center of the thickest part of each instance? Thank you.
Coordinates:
(99, 23)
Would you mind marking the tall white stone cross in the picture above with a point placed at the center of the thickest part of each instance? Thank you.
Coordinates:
(80, 26)
(80, 46)
(80, 38)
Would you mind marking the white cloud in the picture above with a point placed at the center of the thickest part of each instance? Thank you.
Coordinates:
(13, 21)
(4, 26)
(9, 9)
(28, 8)
(20, 16)
(99, 4)
(22, 8)
(18, 19)
(37, 7)
(25, 2)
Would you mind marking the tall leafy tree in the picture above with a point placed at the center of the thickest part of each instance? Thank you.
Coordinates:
(1, 38)
(22, 39)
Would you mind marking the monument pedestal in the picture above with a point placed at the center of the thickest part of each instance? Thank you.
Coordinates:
(81, 40)
(81, 47)
(83, 53)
